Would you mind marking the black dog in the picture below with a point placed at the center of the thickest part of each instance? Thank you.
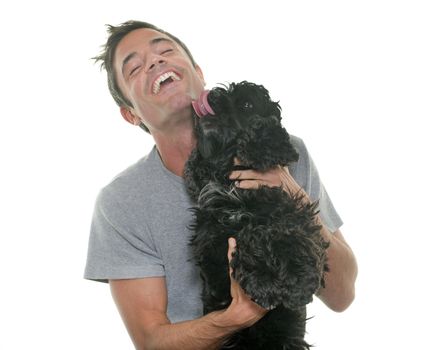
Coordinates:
(280, 255)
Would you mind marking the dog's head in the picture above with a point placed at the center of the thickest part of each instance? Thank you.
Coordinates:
(246, 122)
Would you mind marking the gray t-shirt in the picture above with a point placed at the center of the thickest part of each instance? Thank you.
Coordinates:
(140, 228)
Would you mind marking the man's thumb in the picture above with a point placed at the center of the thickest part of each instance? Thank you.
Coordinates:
(231, 248)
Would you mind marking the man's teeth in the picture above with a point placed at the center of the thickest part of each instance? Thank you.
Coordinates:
(162, 78)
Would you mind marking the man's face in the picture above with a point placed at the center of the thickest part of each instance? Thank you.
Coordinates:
(157, 77)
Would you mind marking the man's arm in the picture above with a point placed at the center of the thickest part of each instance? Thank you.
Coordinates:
(142, 304)
(339, 291)
(340, 280)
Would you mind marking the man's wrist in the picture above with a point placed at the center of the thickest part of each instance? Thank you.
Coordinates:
(223, 321)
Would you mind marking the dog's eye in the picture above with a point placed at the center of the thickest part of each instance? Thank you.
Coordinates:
(248, 105)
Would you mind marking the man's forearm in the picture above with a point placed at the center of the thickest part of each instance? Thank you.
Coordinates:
(339, 291)
(207, 332)
(210, 331)
(142, 304)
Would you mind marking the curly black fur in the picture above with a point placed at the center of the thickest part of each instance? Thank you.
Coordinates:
(280, 255)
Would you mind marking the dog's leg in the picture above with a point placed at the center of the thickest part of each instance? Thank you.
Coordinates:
(210, 246)
(279, 255)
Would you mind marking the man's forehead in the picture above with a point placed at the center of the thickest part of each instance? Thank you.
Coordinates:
(138, 37)
(136, 41)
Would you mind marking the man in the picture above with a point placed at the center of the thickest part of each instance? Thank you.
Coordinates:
(139, 237)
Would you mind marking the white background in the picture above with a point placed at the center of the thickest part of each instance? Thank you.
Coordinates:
(351, 77)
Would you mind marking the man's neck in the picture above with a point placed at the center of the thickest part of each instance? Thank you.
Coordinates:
(175, 148)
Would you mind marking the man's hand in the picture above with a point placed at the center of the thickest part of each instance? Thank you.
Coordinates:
(242, 312)
(275, 177)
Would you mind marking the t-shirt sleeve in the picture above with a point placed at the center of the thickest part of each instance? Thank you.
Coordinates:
(115, 250)
(306, 175)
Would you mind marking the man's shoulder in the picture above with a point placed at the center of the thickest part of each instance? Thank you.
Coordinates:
(300, 170)
(133, 178)
(298, 143)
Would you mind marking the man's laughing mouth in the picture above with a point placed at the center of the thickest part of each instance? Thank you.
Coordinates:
(164, 79)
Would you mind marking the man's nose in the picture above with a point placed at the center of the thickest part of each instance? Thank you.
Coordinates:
(155, 60)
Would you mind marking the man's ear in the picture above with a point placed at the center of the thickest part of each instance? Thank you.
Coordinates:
(129, 116)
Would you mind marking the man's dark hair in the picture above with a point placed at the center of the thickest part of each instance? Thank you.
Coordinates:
(106, 57)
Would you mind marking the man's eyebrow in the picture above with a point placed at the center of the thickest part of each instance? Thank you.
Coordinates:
(160, 39)
(127, 59)
(133, 54)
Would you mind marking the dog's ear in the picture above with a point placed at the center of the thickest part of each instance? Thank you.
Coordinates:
(265, 145)
(196, 174)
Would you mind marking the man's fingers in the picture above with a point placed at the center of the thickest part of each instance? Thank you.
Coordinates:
(251, 184)
(257, 174)
(246, 174)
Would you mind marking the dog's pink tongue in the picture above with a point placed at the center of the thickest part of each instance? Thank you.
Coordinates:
(201, 105)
